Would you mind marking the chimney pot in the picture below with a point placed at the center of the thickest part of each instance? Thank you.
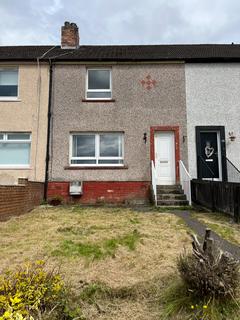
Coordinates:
(70, 36)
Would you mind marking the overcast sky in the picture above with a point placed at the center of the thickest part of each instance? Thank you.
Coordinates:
(121, 21)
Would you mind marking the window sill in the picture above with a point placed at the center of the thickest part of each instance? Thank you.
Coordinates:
(14, 168)
(99, 100)
(96, 168)
(9, 100)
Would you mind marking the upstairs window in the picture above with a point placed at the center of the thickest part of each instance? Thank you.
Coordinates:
(8, 83)
(15, 149)
(99, 84)
(97, 149)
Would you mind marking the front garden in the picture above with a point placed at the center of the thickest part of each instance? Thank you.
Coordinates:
(109, 263)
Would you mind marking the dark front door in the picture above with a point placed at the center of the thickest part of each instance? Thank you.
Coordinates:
(211, 153)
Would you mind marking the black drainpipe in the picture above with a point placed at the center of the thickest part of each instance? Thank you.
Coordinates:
(48, 129)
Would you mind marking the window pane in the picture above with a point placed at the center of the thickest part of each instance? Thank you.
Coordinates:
(99, 94)
(83, 146)
(8, 77)
(110, 145)
(8, 82)
(1, 136)
(110, 162)
(98, 79)
(18, 136)
(83, 161)
(14, 153)
(8, 91)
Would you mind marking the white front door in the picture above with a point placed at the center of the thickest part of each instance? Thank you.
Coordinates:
(164, 145)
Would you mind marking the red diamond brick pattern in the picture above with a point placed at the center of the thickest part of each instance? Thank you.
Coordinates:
(148, 83)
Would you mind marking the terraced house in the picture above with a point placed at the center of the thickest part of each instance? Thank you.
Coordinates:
(114, 110)
(115, 122)
(24, 91)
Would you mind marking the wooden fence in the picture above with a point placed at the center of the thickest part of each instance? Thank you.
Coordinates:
(217, 196)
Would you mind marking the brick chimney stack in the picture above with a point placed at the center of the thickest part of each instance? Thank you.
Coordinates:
(70, 36)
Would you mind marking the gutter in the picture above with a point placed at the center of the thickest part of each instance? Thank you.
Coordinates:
(48, 129)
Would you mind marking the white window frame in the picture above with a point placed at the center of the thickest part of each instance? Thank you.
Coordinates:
(98, 90)
(6, 140)
(97, 151)
(6, 98)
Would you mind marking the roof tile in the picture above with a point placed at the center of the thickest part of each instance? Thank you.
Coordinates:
(191, 52)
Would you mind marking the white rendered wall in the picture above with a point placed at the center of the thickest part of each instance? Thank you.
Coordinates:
(213, 99)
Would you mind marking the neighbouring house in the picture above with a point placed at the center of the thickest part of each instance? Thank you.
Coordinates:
(213, 117)
(24, 91)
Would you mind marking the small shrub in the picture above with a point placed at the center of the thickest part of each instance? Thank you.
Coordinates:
(56, 200)
(219, 279)
(209, 285)
(30, 293)
(209, 272)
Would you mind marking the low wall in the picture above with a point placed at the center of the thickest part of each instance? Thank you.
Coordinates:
(217, 196)
(21, 198)
(100, 192)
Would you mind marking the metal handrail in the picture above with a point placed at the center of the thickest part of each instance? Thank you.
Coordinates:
(232, 171)
(185, 180)
(154, 181)
(232, 164)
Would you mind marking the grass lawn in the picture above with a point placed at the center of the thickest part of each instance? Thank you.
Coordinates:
(119, 254)
(118, 261)
(221, 224)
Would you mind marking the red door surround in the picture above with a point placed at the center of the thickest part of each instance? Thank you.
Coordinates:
(175, 129)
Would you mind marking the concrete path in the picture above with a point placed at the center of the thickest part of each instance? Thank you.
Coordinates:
(199, 228)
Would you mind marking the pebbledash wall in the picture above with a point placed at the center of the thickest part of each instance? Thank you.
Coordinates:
(28, 113)
(18, 199)
(135, 110)
(213, 99)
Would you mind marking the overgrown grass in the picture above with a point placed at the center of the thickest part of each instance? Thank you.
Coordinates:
(221, 224)
(179, 303)
(224, 231)
(124, 285)
(96, 251)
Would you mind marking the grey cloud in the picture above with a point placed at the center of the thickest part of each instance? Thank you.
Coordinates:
(121, 22)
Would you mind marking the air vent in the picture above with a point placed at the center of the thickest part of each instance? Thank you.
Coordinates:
(76, 188)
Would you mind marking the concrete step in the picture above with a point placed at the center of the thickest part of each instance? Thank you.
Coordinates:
(173, 191)
(169, 186)
(171, 196)
(174, 203)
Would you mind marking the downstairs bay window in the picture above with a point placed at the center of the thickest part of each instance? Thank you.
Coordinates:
(15, 150)
(96, 149)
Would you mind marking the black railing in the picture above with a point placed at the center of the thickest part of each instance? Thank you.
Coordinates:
(233, 173)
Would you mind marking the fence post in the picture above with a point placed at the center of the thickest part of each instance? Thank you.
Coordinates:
(236, 197)
(193, 191)
(212, 196)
